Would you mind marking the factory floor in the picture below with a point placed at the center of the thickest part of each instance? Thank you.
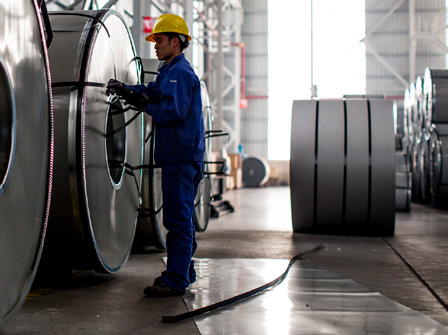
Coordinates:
(409, 268)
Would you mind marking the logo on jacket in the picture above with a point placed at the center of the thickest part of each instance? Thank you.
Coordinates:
(173, 81)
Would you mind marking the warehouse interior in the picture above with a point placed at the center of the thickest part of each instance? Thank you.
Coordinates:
(323, 200)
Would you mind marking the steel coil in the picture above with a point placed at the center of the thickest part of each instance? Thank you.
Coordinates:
(26, 150)
(416, 168)
(438, 175)
(424, 164)
(418, 105)
(403, 183)
(150, 230)
(203, 197)
(256, 171)
(408, 126)
(342, 167)
(436, 96)
(92, 221)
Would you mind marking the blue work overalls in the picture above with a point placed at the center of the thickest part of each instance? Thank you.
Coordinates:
(176, 109)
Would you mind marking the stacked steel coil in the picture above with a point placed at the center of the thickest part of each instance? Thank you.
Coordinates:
(342, 167)
(425, 135)
(26, 150)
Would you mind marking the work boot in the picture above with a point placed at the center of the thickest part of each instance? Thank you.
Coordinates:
(160, 289)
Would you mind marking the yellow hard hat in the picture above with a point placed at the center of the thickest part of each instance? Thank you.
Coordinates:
(169, 23)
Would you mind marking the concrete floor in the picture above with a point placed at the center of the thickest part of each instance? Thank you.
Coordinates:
(91, 303)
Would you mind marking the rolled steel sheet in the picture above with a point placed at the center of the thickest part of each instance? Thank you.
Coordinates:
(436, 96)
(330, 162)
(399, 120)
(93, 219)
(424, 163)
(256, 171)
(357, 162)
(403, 180)
(203, 197)
(150, 230)
(408, 122)
(382, 211)
(438, 172)
(302, 164)
(418, 104)
(202, 207)
(342, 167)
(416, 168)
(26, 150)
(414, 109)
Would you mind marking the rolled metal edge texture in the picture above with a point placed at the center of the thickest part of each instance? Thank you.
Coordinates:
(357, 170)
(403, 180)
(382, 211)
(302, 164)
(424, 158)
(150, 230)
(330, 164)
(436, 95)
(438, 171)
(202, 205)
(26, 189)
(92, 224)
(325, 179)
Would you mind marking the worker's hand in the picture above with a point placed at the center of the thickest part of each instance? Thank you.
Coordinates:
(139, 100)
(116, 87)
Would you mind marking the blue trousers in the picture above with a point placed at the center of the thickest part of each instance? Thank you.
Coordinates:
(179, 186)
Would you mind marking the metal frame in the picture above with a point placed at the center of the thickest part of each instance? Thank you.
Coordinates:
(418, 32)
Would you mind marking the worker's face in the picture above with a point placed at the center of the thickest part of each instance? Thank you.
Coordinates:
(165, 49)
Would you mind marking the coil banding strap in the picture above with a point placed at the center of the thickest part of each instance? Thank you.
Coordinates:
(240, 297)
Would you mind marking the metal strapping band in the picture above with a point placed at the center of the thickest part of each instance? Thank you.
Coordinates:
(77, 84)
(240, 297)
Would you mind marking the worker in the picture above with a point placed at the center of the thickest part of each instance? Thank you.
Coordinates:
(174, 103)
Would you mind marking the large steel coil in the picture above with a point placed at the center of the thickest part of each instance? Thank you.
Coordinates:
(26, 150)
(436, 96)
(438, 173)
(92, 221)
(342, 167)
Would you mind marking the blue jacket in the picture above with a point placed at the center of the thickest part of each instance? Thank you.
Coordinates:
(176, 108)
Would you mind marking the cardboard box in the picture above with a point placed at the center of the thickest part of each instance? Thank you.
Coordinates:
(237, 177)
(236, 161)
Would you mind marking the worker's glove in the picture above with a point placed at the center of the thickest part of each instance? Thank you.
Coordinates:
(139, 100)
(116, 87)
